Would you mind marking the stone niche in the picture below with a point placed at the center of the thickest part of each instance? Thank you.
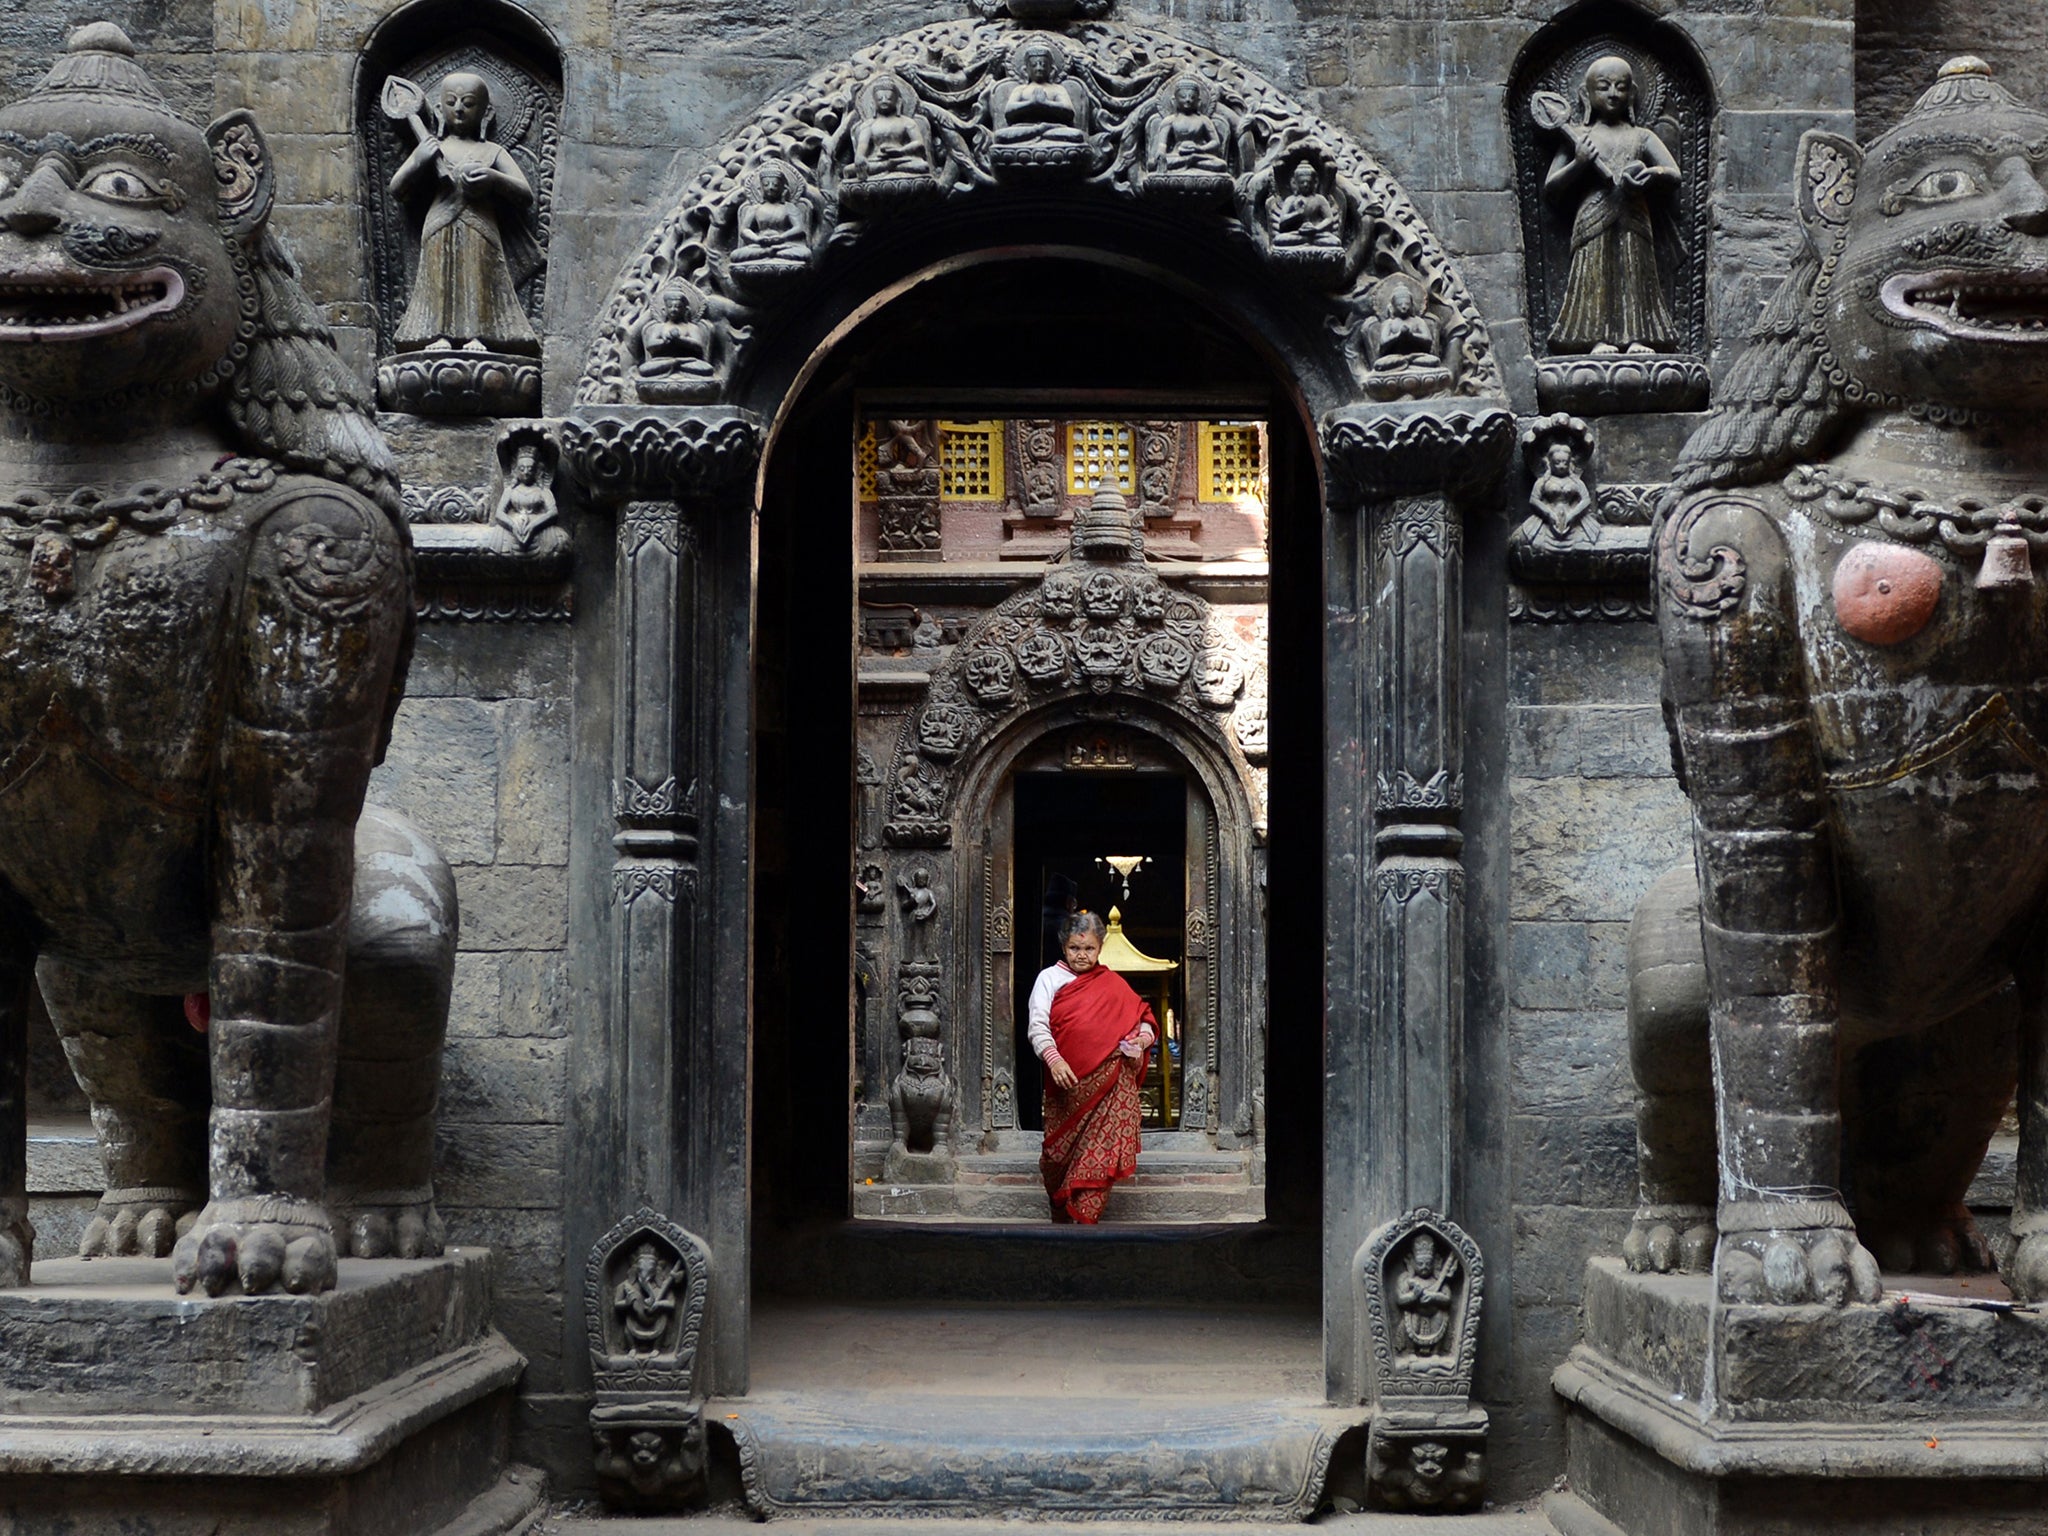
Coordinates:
(398, 102)
(1611, 118)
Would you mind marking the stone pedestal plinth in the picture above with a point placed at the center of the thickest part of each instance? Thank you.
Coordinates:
(1686, 1417)
(381, 1408)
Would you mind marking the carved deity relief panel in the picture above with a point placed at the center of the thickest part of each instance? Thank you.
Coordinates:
(1612, 134)
(459, 143)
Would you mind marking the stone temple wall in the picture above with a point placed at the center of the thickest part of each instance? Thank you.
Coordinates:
(483, 753)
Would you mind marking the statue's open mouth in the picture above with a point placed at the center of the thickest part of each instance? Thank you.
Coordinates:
(76, 307)
(1991, 306)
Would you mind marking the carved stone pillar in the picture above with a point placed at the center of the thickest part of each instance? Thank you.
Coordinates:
(667, 1132)
(1402, 481)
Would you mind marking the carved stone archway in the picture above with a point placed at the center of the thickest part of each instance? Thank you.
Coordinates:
(732, 323)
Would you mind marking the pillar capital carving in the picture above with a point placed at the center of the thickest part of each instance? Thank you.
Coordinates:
(694, 454)
(1376, 452)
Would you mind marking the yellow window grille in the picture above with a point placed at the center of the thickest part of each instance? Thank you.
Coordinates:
(1098, 451)
(1230, 461)
(864, 461)
(971, 461)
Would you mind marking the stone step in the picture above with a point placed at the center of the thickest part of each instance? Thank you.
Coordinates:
(1130, 1201)
(1509, 1522)
(992, 1166)
(930, 1453)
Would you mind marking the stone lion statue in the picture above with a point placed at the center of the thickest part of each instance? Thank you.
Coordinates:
(1829, 1015)
(205, 620)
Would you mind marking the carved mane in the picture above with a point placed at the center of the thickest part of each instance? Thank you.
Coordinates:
(1779, 405)
(293, 399)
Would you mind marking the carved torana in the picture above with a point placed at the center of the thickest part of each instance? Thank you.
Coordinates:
(984, 110)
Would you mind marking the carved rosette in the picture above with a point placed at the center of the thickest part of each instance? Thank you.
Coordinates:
(1090, 628)
(644, 1290)
(1420, 1279)
(688, 455)
(943, 143)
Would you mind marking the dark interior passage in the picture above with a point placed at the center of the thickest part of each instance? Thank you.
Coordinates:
(1068, 826)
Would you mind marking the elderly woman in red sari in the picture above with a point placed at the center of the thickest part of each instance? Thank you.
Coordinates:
(1094, 1035)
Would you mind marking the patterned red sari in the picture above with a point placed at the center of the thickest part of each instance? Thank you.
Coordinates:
(1091, 1129)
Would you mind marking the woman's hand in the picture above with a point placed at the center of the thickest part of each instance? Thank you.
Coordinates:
(1063, 1076)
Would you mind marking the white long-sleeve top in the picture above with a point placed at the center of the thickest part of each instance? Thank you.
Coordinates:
(1038, 1029)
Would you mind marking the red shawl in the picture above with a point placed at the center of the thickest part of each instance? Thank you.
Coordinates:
(1091, 1014)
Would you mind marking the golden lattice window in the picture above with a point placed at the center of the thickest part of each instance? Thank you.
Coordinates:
(1098, 451)
(971, 461)
(1230, 461)
(864, 461)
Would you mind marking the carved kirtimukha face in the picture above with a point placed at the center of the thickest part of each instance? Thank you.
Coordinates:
(115, 218)
(1938, 236)
(1610, 90)
(465, 99)
(1426, 1459)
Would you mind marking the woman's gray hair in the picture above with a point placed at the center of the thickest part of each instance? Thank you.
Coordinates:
(1082, 922)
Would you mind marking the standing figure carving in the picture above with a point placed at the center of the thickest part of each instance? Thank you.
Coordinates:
(1855, 634)
(474, 245)
(188, 470)
(1609, 167)
(1422, 1296)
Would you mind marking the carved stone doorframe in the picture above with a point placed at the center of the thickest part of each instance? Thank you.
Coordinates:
(1401, 483)
(1227, 941)
(701, 324)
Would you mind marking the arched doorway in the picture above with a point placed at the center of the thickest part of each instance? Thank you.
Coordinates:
(958, 257)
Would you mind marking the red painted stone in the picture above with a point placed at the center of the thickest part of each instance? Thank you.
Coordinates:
(1886, 593)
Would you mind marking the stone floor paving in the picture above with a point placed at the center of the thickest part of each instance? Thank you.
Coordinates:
(1172, 1368)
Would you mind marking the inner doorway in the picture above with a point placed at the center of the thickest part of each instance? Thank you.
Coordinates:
(985, 410)
(1113, 843)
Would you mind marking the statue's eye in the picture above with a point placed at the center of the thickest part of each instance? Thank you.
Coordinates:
(123, 186)
(1944, 187)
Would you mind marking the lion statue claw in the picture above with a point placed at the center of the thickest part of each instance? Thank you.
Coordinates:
(249, 970)
(1830, 1011)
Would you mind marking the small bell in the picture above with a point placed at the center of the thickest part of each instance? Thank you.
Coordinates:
(2005, 557)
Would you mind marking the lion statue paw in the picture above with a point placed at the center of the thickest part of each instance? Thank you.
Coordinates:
(139, 1223)
(260, 1245)
(1670, 1239)
(377, 1229)
(1796, 1265)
